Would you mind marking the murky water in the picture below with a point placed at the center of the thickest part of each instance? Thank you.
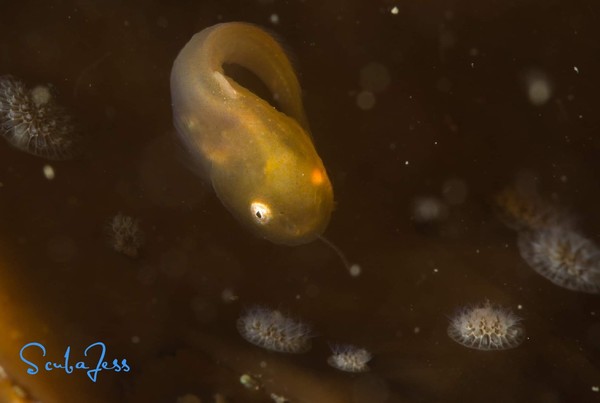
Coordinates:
(422, 112)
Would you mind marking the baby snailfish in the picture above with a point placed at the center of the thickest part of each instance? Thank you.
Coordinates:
(261, 161)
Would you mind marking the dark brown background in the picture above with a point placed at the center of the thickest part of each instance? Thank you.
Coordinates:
(449, 112)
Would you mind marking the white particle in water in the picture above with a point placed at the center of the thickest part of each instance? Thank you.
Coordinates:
(279, 398)
(355, 270)
(49, 172)
(539, 89)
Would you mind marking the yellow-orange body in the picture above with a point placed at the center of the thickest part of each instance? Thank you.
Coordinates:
(261, 161)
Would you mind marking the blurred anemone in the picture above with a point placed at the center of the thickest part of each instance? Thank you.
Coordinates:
(31, 121)
(521, 210)
(125, 235)
(564, 257)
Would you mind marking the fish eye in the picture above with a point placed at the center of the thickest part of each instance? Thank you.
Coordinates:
(261, 212)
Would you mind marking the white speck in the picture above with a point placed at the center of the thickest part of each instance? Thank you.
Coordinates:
(135, 339)
(477, 251)
(394, 10)
(274, 19)
(596, 388)
(405, 162)
(278, 398)
(472, 65)
(435, 270)
(435, 143)
(49, 172)
(576, 69)
(519, 307)
(355, 270)
(417, 330)
(250, 382)
(539, 89)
